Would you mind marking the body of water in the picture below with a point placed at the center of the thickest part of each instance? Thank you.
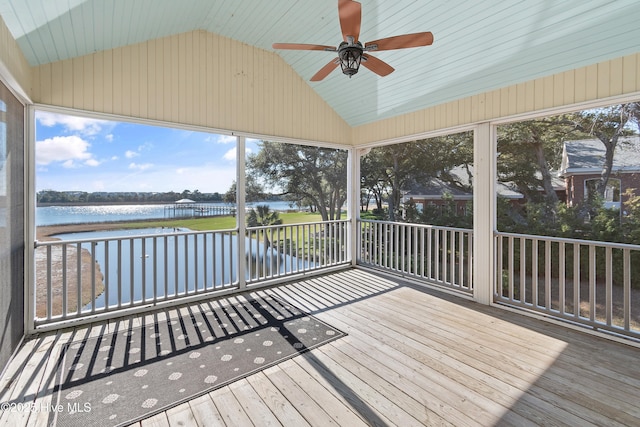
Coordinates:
(159, 261)
(58, 215)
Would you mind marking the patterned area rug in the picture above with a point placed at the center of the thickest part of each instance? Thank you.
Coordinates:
(119, 378)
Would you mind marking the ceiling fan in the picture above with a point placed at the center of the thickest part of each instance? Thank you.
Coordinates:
(351, 52)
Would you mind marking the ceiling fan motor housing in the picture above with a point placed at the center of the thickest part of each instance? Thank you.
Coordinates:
(350, 55)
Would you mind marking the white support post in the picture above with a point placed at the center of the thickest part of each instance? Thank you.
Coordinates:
(29, 221)
(484, 212)
(241, 179)
(353, 200)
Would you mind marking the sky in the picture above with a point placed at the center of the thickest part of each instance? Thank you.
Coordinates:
(85, 154)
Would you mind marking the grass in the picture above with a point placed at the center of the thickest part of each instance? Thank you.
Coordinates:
(219, 222)
(302, 244)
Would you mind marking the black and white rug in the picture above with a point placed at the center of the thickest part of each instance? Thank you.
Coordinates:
(119, 378)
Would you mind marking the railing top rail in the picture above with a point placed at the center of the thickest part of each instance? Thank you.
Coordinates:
(612, 245)
(177, 233)
(136, 236)
(333, 221)
(439, 227)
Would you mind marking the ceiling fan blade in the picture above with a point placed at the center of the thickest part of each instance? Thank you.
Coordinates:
(302, 46)
(400, 42)
(376, 65)
(324, 71)
(350, 13)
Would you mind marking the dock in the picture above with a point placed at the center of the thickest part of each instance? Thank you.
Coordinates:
(195, 210)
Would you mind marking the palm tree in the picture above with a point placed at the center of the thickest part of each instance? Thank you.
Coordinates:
(262, 215)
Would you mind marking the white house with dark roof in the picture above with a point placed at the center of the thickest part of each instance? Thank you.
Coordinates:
(582, 164)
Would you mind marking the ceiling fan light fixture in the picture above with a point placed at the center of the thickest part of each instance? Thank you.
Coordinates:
(350, 56)
(351, 52)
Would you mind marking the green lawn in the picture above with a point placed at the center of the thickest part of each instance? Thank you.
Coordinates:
(220, 222)
(302, 241)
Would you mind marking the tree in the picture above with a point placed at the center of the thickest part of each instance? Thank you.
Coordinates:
(608, 125)
(530, 151)
(253, 191)
(262, 216)
(315, 174)
(633, 109)
(392, 169)
(373, 179)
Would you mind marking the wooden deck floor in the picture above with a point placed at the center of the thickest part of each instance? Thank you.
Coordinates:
(412, 356)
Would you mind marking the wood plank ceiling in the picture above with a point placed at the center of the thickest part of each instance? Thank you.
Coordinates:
(479, 45)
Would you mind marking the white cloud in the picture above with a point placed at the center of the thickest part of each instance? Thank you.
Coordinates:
(115, 158)
(83, 125)
(223, 139)
(109, 137)
(69, 164)
(144, 147)
(62, 149)
(140, 167)
(231, 154)
(92, 162)
(131, 154)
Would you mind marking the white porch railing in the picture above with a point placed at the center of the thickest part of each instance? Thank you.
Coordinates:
(284, 250)
(439, 255)
(80, 279)
(129, 272)
(587, 282)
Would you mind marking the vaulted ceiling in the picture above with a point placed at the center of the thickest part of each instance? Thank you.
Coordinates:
(479, 45)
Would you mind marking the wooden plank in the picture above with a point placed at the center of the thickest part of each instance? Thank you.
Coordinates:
(374, 406)
(616, 76)
(16, 366)
(24, 389)
(558, 89)
(279, 405)
(427, 402)
(304, 403)
(49, 379)
(629, 73)
(151, 101)
(205, 412)
(603, 79)
(180, 415)
(569, 87)
(338, 409)
(348, 396)
(158, 420)
(253, 404)
(591, 82)
(229, 408)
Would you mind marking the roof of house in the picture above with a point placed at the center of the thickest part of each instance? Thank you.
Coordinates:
(435, 188)
(586, 156)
